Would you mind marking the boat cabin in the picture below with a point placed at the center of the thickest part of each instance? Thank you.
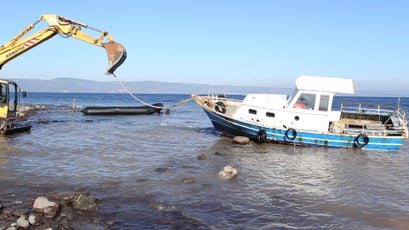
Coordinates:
(309, 108)
(317, 93)
(313, 101)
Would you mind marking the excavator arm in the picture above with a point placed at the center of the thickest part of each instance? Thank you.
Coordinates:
(24, 42)
(67, 28)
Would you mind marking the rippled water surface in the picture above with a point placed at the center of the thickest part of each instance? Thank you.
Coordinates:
(135, 166)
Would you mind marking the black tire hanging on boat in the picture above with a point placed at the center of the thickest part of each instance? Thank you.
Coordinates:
(220, 107)
(261, 136)
(359, 143)
(293, 134)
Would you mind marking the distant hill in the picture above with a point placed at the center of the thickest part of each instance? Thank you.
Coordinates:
(73, 85)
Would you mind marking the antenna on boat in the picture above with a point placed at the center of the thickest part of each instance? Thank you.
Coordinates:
(400, 91)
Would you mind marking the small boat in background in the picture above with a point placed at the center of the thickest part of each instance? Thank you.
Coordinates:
(122, 110)
(307, 118)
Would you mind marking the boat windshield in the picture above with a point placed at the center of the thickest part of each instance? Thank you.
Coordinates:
(290, 97)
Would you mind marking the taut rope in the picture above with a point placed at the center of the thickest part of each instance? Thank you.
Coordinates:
(147, 104)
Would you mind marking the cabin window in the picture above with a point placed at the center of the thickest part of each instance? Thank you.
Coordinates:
(252, 111)
(324, 102)
(3, 93)
(268, 114)
(305, 101)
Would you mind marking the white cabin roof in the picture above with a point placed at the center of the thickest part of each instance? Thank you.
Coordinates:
(325, 84)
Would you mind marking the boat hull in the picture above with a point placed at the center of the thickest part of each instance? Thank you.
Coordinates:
(233, 127)
(307, 117)
(122, 110)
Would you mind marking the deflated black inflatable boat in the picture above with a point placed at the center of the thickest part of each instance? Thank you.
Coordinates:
(122, 110)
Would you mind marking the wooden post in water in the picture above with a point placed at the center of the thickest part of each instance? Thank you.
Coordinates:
(74, 105)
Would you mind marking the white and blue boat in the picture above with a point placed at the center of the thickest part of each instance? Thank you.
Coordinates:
(307, 117)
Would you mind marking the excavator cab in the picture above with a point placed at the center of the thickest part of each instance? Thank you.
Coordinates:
(9, 92)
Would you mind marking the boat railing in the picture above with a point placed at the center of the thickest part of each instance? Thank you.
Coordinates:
(376, 109)
(368, 108)
(219, 96)
(224, 96)
(401, 114)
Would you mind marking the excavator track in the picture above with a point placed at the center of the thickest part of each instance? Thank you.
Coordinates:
(12, 128)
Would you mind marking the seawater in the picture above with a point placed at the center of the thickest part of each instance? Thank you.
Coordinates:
(135, 165)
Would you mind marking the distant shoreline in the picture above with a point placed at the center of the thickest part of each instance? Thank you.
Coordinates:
(74, 85)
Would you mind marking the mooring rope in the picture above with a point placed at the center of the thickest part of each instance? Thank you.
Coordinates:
(147, 104)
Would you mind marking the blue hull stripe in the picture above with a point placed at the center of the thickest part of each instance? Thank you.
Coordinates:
(234, 127)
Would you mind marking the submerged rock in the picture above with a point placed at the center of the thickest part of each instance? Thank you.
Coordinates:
(241, 140)
(66, 197)
(156, 205)
(162, 206)
(161, 169)
(228, 172)
(219, 154)
(188, 180)
(84, 203)
(201, 157)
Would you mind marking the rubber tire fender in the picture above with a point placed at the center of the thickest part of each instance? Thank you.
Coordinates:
(261, 136)
(293, 132)
(365, 140)
(220, 107)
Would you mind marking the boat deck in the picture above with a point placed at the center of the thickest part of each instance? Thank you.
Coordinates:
(372, 119)
(370, 127)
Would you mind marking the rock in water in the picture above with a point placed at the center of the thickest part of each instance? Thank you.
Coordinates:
(201, 157)
(46, 207)
(188, 180)
(228, 172)
(158, 206)
(84, 203)
(241, 140)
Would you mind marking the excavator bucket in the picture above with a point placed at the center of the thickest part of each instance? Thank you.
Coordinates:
(116, 55)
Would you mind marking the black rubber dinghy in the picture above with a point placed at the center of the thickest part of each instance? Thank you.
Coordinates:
(122, 110)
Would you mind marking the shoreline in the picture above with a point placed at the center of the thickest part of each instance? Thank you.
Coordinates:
(74, 210)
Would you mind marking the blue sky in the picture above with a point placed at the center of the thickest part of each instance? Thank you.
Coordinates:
(254, 43)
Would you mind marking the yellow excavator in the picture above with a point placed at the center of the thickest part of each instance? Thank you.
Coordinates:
(9, 90)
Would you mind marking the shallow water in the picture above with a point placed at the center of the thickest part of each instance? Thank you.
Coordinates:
(135, 165)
